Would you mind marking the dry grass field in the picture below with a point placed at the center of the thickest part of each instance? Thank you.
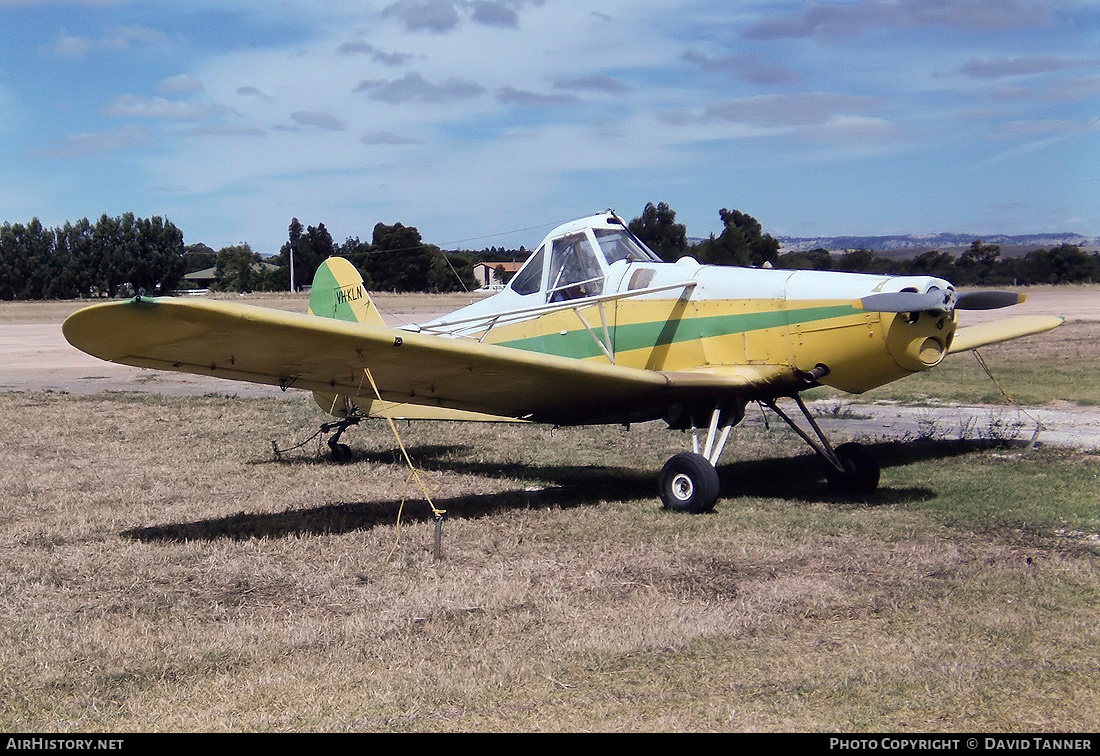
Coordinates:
(163, 570)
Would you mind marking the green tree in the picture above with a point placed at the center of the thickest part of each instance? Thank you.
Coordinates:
(742, 242)
(863, 260)
(450, 271)
(68, 278)
(26, 258)
(657, 227)
(1063, 264)
(77, 244)
(399, 260)
(237, 268)
(309, 247)
(977, 264)
(198, 257)
(158, 263)
(932, 263)
(814, 259)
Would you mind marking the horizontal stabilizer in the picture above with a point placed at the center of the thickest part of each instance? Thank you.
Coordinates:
(975, 336)
(406, 411)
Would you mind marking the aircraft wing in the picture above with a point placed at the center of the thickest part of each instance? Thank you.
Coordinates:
(975, 336)
(261, 345)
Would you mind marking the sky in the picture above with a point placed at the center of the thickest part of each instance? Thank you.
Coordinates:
(487, 122)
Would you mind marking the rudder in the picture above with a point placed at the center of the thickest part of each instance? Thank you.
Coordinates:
(338, 292)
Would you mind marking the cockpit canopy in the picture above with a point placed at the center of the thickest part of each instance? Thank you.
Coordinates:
(579, 256)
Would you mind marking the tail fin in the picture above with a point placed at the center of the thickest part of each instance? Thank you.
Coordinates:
(338, 292)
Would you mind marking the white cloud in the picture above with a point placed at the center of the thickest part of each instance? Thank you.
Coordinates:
(322, 121)
(425, 15)
(179, 84)
(513, 96)
(120, 38)
(91, 144)
(494, 14)
(1027, 129)
(413, 87)
(446, 114)
(782, 110)
(752, 67)
(134, 106)
(842, 20)
(998, 68)
(594, 83)
(248, 91)
(388, 138)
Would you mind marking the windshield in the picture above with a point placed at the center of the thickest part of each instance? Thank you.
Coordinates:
(617, 244)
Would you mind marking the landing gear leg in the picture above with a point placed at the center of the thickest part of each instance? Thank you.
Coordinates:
(852, 469)
(689, 481)
(340, 452)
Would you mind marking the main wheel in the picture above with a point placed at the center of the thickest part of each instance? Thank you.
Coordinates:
(340, 452)
(689, 483)
(861, 470)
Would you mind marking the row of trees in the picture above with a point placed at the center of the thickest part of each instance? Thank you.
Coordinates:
(396, 259)
(743, 242)
(113, 256)
(123, 255)
(979, 264)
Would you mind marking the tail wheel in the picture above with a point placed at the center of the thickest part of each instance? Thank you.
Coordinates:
(689, 483)
(861, 470)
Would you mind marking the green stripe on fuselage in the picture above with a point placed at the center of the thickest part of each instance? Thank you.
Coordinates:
(579, 344)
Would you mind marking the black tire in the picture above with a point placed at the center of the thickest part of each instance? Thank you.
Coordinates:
(861, 471)
(340, 452)
(689, 483)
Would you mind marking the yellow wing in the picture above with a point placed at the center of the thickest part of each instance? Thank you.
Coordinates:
(975, 336)
(260, 345)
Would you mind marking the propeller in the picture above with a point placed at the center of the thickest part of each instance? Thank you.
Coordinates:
(936, 300)
(939, 300)
(988, 300)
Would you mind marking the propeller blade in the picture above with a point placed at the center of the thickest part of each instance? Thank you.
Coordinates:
(988, 300)
(937, 300)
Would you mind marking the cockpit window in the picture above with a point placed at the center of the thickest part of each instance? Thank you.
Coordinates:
(616, 244)
(574, 269)
(529, 280)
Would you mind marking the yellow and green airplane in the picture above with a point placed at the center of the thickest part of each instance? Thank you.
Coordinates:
(594, 328)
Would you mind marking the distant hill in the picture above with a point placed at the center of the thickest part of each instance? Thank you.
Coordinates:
(910, 245)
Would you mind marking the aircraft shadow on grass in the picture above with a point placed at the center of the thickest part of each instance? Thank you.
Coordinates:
(557, 486)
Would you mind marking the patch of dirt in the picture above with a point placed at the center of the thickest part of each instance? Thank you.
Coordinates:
(34, 355)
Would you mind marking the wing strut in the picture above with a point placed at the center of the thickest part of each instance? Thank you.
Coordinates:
(852, 469)
(414, 474)
(821, 445)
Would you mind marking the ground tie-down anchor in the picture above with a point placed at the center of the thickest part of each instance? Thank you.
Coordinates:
(340, 452)
(438, 552)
